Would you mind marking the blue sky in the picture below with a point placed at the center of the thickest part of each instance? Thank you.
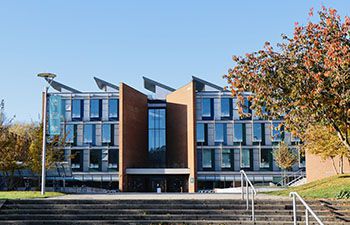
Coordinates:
(168, 41)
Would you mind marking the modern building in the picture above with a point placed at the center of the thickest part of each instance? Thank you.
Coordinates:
(182, 140)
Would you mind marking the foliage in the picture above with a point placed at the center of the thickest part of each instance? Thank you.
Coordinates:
(284, 157)
(329, 187)
(307, 79)
(53, 150)
(324, 142)
(26, 194)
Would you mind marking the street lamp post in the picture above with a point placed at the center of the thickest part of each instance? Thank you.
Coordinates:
(49, 77)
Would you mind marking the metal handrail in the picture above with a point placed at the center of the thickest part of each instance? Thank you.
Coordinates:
(295, 175)
(247, 185)
(307, 209)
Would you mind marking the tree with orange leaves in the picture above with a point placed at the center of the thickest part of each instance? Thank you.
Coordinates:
(307, 79)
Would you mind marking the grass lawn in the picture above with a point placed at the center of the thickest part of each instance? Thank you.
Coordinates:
(325, 188)
(26, 194)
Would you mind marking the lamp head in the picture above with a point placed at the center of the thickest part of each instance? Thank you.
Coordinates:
(47, 75)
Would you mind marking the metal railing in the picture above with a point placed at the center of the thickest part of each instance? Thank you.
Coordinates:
(294, 176)
(248, 187)
(308, 210)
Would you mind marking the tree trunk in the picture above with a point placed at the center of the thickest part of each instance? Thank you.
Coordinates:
(341, 165)
(334, 166)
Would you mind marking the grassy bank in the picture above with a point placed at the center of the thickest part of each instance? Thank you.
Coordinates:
(326, 188)
(26, 194)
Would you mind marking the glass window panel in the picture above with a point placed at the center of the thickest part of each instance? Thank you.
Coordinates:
(69, 133)
(265, 158)
(106, 133)
(88, 133)
(113, 108)
(76, 108)
(235, 109)
(206, 158)
(206, 107)
(225, 107)
(226, 158)
(257, 132)
(238, 132)
(245, 158)
(95, 160)
(76, 160)
(219, 132)
(200, 132)
(151, 118)
(113, 158)
(276, 132)
(162, 121)
(94, 108)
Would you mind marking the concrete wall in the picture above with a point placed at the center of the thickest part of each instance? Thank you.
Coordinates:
(316, 168)
(132, 131)
(181, 130)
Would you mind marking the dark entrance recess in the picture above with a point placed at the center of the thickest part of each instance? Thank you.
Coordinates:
(168, 183)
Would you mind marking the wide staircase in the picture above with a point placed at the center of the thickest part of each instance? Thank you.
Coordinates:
(59, 212)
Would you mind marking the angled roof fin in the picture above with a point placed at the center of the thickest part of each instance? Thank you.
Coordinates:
(58, 86)
(104, 84)
(200, 84)
(151, 85)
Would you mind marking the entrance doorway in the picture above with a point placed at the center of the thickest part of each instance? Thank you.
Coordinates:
(167, 183)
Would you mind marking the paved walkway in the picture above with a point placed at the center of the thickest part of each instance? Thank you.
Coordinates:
(164, 196)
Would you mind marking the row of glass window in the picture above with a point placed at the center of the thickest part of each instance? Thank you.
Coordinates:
(89, 134)
(229, 108)
(246, 159)
(95, 160)
(95, 109)
(239, 133)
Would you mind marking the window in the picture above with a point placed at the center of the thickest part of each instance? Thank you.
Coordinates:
(238, 132)
(69, 133)
(226, 108)
(220, 133)
(207, 159)
(157, 136)
(200, 132)
(77, 160)
(106, 133)
(226, 159)
(207, 108)
(245, 158)
(246, 107)
(113, 159)
(301, 159)
(77, 109)
(265, 158)
(235, 113)
(257, 132)
(90, 134)
(95, 160)
(113, 109)
(95, 109)
(277, 132)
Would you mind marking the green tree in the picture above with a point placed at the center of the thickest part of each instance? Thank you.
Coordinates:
(307, 79)
(324, 142)
(54, 152)
(285, 158)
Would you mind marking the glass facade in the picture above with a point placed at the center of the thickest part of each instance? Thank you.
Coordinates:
(95, 109)
(245, 158)
(157, 137)
(238, 132)
(200, 132)
(113, 159)
(257, 132)
(220, 133)
(207, 108)
(226, 159)
(77, 160)
(90, 134)
(226, 108)
(265, 158)
(113, 109)
(106, 133)
(69, 133)
(207, 159)
(277, 132)
(235, 113)
(77, 109)
(95, 160)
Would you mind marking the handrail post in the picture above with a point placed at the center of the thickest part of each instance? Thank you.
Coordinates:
(306, 217)
(294, 210)
(247, 191)
(253, 209)
(242, 186)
